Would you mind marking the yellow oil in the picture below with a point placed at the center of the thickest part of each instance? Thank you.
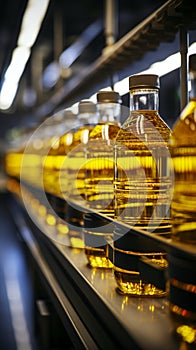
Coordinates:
(99, 184)
(24, 164)
(184, 321)
(129, 282)
(54, 164)
(183, 215)
(143, 190)
(13, 161)
(54, 177)
(183, 151)
(76, 163)
(75, 188)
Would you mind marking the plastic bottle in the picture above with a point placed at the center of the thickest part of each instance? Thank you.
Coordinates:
(182, 270)
(75, 170)
(99, 178)
(57, 145)
(183, 151)
(142, 185)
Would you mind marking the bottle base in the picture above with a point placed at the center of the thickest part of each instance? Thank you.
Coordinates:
(96, 258)
(130, 284)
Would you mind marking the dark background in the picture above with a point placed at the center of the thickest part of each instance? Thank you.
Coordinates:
(75, 16)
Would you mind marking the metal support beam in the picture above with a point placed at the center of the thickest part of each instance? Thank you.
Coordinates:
(111, 24)
(184, 43)
(111, 18)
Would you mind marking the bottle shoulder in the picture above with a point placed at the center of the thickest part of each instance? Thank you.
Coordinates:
(105, 130)
(184, 129)
(146, 126)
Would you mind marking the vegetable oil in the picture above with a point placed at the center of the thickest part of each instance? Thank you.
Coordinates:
(99, 177)
(142, 184)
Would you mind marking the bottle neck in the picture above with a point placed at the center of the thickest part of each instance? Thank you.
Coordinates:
(109, 112)
(144, 99)
(87, 118)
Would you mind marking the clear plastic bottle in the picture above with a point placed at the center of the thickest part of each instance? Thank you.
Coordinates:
(183, 151)
(99, 177)
(75, 170)
(182, 271)
(142, 184)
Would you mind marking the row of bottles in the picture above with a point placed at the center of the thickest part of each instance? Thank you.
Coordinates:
(140, 173)
(119, 171)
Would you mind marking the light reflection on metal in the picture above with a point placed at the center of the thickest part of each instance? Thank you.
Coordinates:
(62, 68)
(70, 55)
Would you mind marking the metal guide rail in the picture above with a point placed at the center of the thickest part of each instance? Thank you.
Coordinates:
(88, 302)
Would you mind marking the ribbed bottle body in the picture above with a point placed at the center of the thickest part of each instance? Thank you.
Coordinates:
(75, 174)
(143, 190)
(183, 151)
(99, 194)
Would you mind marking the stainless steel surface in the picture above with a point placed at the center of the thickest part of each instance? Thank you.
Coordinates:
(146, 319)
(88, 297)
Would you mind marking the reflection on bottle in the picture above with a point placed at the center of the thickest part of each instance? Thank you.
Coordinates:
(182, 296)
(99, 178)
(142, 185)
(183, 151)
(182, 271)
(75, 170)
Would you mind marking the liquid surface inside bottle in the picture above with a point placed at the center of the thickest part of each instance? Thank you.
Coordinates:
(143, 191)
(183, 150)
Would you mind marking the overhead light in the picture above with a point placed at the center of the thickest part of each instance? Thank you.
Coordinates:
(7, 95)
(70, 54)
(31, 23)
(19, 59)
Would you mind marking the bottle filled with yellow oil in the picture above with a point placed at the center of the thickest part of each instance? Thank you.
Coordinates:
(75, 170)
(57, 145)
(99, 178)
(183, 151)
(182, 271)
(142, 185)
